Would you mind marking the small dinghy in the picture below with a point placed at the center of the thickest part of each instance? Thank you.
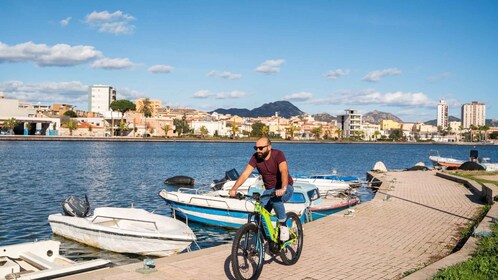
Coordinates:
(41, 260)
(125, 230)
(180, 181)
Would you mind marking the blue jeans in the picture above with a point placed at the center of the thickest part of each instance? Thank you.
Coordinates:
(277, 202)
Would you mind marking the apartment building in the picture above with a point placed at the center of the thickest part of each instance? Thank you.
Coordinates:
(349, 123)
(473, 114)
(100, 98)
(442, 114)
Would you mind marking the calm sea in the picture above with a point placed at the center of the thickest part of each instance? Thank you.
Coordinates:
(35, 177)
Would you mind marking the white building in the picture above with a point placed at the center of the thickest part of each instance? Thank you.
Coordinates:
(473, 114)
(442, 114)
(349, 123)
(100, 98)
(219, 127)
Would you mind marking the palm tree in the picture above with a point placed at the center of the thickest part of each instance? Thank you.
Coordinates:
(147, 110)
(234, 129)
(10, 124)
(166, 128)
(72, 125)
(264, 130)
(290, 130)
(122, 127)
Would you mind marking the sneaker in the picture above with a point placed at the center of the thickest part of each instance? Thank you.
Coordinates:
(267, 254)
(284, 233)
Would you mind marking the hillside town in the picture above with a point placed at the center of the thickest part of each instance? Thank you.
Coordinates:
(108, 116)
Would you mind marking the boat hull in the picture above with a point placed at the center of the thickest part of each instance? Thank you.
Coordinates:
(318, 212)
(135, 239)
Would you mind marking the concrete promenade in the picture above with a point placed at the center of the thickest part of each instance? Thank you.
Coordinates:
(413, 221)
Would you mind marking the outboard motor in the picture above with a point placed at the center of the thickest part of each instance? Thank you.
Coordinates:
(76, 207)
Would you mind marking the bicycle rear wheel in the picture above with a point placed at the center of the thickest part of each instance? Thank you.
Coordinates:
(291, 253)
(247, 252)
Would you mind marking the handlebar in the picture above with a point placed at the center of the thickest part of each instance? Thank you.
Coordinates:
(255, 196)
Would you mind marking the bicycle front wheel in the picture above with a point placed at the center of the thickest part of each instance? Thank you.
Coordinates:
(247, 252)
(290, 254)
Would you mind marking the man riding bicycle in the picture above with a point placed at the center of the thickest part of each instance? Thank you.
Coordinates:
(272, 166)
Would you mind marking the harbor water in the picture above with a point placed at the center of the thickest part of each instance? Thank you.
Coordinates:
(35, 177)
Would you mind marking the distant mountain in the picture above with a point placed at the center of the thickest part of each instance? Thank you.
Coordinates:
(285, 109)
(324, 117)
(450, 119)
(376, 116)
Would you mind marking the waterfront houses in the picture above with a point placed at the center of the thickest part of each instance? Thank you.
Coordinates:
(170, 122)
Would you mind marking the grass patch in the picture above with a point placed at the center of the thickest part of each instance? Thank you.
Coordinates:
(482, 265)
(475, 175)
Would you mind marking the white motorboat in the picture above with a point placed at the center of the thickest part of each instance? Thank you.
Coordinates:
(326, 185)
(126, 230)
(41, 260)
(217, 208)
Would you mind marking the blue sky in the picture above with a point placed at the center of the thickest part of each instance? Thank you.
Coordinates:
(323, 56)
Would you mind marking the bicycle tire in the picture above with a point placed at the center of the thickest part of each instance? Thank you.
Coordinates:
(291, 253)
(247, 263)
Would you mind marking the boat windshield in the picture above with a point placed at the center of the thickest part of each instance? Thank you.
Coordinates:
(297, 198)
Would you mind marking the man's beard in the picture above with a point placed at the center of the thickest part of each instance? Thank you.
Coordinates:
(262, 155)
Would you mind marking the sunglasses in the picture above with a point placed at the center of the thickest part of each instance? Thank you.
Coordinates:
(259, 147)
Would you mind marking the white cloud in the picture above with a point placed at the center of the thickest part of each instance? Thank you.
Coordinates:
(221, 95)
(376, 75)
(65, 22)
(47, 92)
(43, 55)
(202, 94)
(116, 23)
(224, 75)
(113, 63)
(299, 96)
(161, 69)
(230, 95)
(337, 73)
(129, 94)
(439, 77)
(372, 97)
(270, 66)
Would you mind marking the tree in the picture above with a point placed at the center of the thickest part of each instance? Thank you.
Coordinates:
(396, 134)
(377, 134)
(257, 128)
(166, 129)
(123, 106)
(122, 127)
(317, 131)
(204, 131)
(72, 125)
(264, 130)
(71, 114)
(339, 133)
(234, 129)
(181, 125)
(291, 130)
(10, 124)
(147, 110)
